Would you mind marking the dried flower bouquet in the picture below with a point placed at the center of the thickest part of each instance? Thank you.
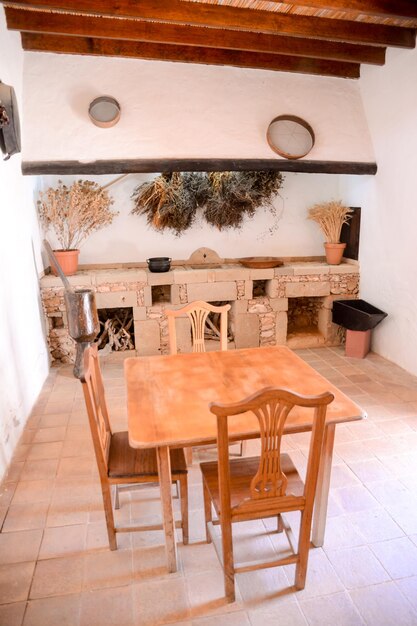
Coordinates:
(75, 212)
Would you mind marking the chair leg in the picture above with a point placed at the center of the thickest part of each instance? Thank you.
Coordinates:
(303, 550)
(280, 523)
(243, 447)
(108, 512)
(207, 510)
(116, 497)
(189, 455)
(184, 507)
(228, 564)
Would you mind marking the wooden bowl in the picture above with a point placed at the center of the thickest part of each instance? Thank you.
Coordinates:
(261, 262)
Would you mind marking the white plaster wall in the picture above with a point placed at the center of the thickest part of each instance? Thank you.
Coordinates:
(287, 232)
(182, 110)
(389, 205)
(23, 355)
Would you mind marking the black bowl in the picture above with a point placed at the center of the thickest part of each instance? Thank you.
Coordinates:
(159, 264)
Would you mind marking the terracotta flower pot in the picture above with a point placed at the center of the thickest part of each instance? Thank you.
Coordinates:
(68, 260)
(334, 252)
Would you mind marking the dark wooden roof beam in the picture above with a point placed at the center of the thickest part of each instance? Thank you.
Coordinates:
(187, 54)
(222, 16)
(157, 32)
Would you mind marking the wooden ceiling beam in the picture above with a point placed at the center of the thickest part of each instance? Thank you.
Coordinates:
(186, 54)
(222, 16)
(158, 32)
(396, 9)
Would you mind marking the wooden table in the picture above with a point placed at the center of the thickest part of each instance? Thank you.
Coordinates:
(168, 398)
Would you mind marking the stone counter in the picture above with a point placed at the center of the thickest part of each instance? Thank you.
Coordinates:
(259, 299)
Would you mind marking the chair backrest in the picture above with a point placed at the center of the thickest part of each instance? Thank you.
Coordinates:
(95, 401)
(197, 312)
(271, 407)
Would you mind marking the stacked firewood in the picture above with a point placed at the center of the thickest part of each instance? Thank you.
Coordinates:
(116, 331)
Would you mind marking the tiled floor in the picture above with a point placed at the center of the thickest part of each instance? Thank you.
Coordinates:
(55, 566)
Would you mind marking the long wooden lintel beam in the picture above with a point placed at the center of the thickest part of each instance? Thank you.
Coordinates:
(187, 54)
(195, 165)
(161, 32)
(222, 16)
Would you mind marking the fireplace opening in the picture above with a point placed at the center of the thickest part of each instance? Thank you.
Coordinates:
(303, 321)
(259, 289)
(117, 330)
(161, 294)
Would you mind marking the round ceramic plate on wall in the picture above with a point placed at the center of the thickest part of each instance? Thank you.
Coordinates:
(290, 136)
(104, 111)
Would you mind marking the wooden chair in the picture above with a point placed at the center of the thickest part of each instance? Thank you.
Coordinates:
(117, 462)
(265, 486)
(197, 312)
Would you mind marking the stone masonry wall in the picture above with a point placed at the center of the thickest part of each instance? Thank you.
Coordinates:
(255, 321)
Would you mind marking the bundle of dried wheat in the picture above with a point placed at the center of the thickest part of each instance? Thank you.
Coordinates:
(75, 212)
(330, 216)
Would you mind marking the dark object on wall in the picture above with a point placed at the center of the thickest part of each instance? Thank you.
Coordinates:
(9, 122)
(350, 234)
(159, 264)
(356, 314)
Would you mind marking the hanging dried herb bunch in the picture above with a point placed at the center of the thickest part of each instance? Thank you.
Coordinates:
(172, 200)
(236, 195)
(75, 212)
(166, 202)
(330, 216)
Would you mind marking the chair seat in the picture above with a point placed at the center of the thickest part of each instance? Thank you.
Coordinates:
(241, 473)
(125, 461)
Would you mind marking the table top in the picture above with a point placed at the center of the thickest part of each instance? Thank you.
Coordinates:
(168, 396)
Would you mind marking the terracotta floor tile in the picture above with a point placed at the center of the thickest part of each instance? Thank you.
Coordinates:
(63, 541)
(112, 568)
(357, 567)
(160, 602)
(17, 547)
(15, 581)
(56, 433)
(55, 577)
(288, 615)
(341, 533)
(12, 614)
(383, 605)
(408, 587)
(50, 450)
(375, 525)
(39, 470)
(26, 516)
(67, 513)
(54, 420)
(239, 618)
(398, 556)
(150, 564)
(28, 491)
(370, 471)
(59, 610)
(337, 608)
(354, 498)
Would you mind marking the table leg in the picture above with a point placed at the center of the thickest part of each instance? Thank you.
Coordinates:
(164, 471)
(323, 485)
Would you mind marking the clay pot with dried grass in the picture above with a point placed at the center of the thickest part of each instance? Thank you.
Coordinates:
(331, 216)
(72, 214)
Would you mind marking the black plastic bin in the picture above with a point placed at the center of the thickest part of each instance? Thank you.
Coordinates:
(356, 314)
